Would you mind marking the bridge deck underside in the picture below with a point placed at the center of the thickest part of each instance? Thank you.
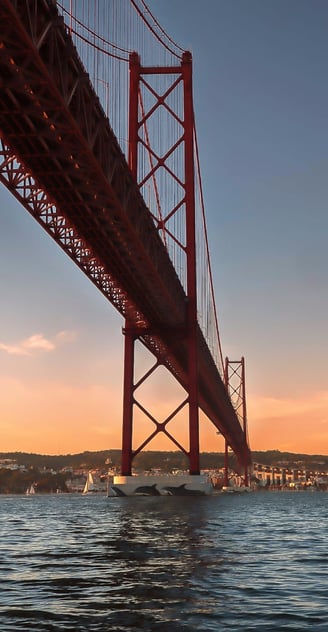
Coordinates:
(52, 121)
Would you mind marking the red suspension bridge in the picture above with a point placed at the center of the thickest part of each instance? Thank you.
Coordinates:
(98, 143)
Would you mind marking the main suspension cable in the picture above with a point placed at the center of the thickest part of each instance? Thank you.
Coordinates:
(207, 246)
(160, 27)
(153, 31)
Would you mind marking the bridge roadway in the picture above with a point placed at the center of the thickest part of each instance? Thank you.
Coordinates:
(52, 121)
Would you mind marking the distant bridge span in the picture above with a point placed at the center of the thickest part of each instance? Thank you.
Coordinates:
(62, 161)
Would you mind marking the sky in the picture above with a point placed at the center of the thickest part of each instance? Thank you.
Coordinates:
(261, 109)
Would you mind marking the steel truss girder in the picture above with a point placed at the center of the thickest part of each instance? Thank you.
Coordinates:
(54, 123)
(24, 188)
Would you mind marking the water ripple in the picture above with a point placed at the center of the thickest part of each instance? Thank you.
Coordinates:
(248, 562)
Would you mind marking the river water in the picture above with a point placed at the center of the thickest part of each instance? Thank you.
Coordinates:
(230, 562)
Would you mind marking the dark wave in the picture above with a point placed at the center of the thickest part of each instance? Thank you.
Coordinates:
(167, 564)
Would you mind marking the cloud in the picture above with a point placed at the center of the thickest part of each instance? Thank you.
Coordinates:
(13, 349)
(37, 342)
(66, 336)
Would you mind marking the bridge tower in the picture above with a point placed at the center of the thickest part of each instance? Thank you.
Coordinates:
(234, 378)
(142, 78)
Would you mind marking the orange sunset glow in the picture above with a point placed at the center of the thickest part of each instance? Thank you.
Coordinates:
(52, 417)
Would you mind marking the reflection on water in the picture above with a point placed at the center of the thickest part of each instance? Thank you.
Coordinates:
(249, 562)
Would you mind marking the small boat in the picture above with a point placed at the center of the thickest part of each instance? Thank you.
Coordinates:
(92, 487)
(235, 489)
(30, 490)
(89, 484)
(95, 485)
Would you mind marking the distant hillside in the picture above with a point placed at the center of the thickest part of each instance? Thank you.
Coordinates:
(165, 460)
(82, 459)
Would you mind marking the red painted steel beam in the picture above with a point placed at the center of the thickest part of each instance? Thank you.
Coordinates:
(193, 381)
(235, 381)
(60, 158)
(55, 124)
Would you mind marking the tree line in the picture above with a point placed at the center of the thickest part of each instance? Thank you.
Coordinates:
(167, 461)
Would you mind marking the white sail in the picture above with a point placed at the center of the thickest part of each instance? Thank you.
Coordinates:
(89, 484)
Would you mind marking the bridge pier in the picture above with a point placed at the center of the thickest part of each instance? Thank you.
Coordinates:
(165, 485)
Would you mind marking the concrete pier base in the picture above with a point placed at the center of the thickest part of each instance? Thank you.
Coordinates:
(166, 485)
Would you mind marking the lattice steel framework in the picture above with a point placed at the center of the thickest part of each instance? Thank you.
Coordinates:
(234, 375)
(140, 142)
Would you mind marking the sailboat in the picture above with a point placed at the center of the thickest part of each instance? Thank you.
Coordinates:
(30, 490)
(89, 486)
(94, 485)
